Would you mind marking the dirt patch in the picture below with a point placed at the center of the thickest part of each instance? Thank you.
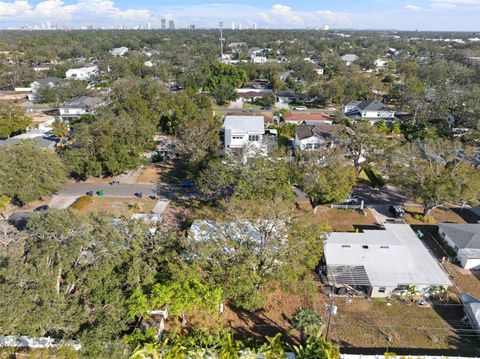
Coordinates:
(120, 206)
(360, 323)
(151, 174)
(466, 281)
(344, 220)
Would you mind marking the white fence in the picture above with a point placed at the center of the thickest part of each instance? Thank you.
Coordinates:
(391, 356)
(348, 206)
(22, 341)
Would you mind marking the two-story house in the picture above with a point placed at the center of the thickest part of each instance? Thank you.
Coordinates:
(243, 135)
(316, 137)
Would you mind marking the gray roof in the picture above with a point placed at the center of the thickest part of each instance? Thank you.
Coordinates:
(83, 102)
(244, 124)
(373, 105)
(350, 57)
(47, 80)
(391, 257)
(471, 305)
(40, 142)
(324, 131)
(465, 236)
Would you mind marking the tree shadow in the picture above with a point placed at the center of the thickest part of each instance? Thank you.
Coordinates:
(466, 214)
(257, 325)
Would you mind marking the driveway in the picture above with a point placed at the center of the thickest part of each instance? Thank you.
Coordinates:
(384, 196)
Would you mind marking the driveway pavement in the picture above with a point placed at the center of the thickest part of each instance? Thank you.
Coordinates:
(384, 196)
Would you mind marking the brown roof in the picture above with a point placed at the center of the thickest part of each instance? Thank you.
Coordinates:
(306, 117)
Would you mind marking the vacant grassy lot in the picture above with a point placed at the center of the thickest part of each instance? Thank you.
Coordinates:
(343, 220)
(363, 323)
(120, 206)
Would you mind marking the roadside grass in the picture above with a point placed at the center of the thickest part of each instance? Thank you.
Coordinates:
(251, 106)
(343, 220)
(120, 206)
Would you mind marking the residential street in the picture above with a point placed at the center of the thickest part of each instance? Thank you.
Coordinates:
(373, 197)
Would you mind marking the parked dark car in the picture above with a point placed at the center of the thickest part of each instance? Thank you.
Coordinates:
(186, 184)
(90, 193)
(45, 207)
(397, 211)
(114, 182)
(139, 194)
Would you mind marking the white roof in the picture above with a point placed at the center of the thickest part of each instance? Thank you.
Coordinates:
(391, 257)
(244, 124)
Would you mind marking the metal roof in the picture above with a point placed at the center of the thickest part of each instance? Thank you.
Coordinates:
(244, 124)
(349, 275)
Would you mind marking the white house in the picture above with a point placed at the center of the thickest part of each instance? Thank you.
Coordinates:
(83, 73)
(464, 240)
(381, 262)
(244, 135)
(380, 64)
(119, 51)
(316, 137)
(371, 110)
(349, 59)
(36, 85)
(259, 59)
(83, 105)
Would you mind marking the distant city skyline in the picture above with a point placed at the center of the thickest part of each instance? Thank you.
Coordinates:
(428, 15)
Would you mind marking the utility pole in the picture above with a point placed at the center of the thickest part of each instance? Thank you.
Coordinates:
(332, 310)
(221, 40)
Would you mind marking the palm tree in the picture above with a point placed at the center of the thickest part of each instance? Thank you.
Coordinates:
(308, 322)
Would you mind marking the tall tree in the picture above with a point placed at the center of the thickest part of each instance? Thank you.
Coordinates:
(246, 244)
(27, 172)
(434, 173)
(326, 180)
(12, 121)
(365, 144)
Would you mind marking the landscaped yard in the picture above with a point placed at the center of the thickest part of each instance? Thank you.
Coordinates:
(343, 220)
(441, 215)
(120, 206)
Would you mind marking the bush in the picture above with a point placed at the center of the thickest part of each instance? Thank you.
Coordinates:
(82, 203)
(424, 219)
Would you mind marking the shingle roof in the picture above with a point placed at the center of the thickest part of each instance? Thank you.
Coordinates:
(373, 105)
(83, 102)
(350, 57)
(463, 235)
(48, 80)
(325, 131)
(306, 117)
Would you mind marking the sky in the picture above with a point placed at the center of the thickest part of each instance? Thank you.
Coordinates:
(436, 15)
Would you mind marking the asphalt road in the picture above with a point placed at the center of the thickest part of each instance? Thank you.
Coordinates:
(121, 190)
(375, 197)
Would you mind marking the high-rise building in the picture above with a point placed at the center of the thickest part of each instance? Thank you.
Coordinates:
(233, 25)
(254, 26)
(149, 26)
(326, 27)
(171, 24)
(164, 24)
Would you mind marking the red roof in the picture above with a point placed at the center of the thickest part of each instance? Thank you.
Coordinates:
(307, 117)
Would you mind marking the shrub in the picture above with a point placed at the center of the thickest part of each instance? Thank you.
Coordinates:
(424, 219)
(82, 203)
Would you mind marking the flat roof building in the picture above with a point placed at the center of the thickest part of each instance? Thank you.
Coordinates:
(380, 262)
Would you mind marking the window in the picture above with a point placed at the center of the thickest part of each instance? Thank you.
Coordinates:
(66, 110)
(345, 246)
(253, 138)
(365, 247)
(237, 137)
(382, 290)
(384, 247)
